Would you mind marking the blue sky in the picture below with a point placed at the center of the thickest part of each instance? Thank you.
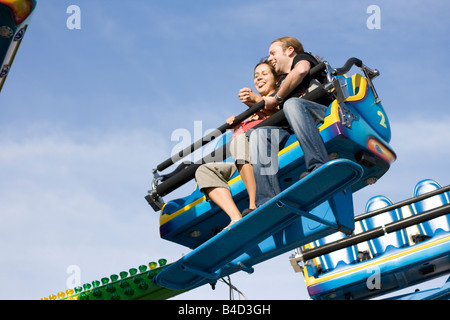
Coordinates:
(85, 115)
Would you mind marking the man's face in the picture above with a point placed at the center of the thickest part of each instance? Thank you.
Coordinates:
(279, 58)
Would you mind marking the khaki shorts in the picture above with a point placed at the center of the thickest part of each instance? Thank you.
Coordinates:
(240, 149)
(215, 175)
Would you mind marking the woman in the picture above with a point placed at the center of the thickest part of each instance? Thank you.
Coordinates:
(212, 178)
(265, 81)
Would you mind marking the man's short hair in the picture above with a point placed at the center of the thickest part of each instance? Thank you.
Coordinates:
(287, 42)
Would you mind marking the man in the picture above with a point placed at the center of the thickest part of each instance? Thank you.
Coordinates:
(288, 57)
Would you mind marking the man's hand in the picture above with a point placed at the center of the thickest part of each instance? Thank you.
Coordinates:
(271, 103)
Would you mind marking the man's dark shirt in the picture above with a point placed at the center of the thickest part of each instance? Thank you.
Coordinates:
(303, 86)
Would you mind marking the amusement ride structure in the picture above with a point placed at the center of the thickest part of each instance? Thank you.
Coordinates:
(341, 256)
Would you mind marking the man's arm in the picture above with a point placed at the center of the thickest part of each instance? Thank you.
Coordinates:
(292, 80)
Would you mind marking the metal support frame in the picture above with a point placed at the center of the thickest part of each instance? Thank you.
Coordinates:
(201, 273)
(371, 74)
(376, 232)
(300, 212)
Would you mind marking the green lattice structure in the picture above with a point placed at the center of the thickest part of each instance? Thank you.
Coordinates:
(134, 284)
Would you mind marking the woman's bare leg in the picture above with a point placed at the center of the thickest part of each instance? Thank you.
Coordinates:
(222, 197)
(247, 175)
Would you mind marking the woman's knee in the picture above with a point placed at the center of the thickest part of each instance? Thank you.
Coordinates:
(201, 172)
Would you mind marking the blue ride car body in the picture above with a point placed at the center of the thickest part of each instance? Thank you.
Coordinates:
(356, 129)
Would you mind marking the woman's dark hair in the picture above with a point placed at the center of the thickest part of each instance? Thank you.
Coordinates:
(272, 69)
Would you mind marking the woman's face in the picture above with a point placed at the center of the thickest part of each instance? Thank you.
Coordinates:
(264, 80)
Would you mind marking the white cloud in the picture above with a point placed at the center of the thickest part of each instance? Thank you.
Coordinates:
(420, 135)
(75, 199)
